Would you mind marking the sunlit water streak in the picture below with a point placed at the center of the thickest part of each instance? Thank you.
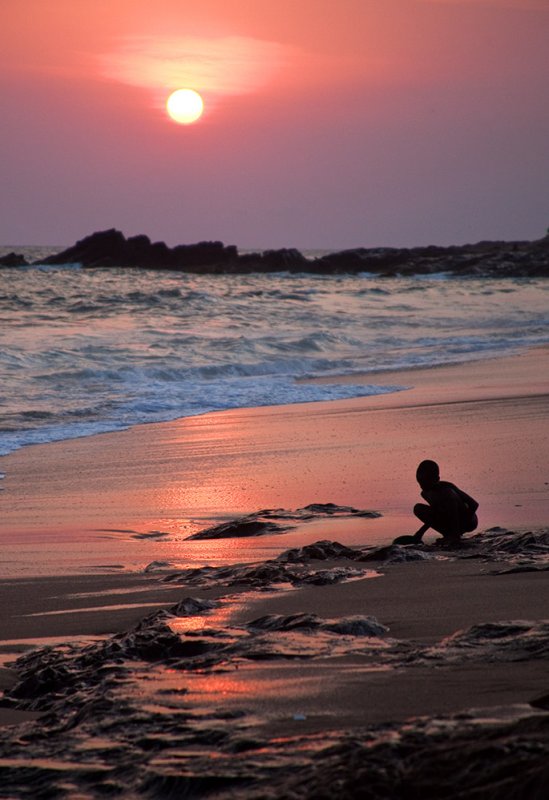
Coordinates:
(87, 351)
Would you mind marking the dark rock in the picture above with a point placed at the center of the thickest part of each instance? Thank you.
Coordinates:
(262, 522)
(47, 680)
(190, 606)
(498, 259)
(324, 577)
(356, 626)
(385, 259)
(484, 258)
(321, 551)
(331, 509)
(102, 245)
(110, 248)
(286, 622)
(541, 702)
(13, 260)
(258, 575)
(394, 553)
(285, 260)
(238, 528)
(516, 542)
(203, 254)
(348, 626)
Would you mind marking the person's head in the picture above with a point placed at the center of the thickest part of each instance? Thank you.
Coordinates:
(427, 474)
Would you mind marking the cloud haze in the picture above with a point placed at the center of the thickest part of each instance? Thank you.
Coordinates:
(228, 65)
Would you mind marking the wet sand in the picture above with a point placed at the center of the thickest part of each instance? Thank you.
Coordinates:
(82, 519)
(127, 498)
(227, 676)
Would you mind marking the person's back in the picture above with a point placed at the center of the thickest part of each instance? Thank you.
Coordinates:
(450, 511)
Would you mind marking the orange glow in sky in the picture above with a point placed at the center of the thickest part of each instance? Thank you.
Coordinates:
(328, 124)
(219, 65)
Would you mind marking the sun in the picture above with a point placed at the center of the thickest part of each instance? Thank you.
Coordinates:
(185, 106)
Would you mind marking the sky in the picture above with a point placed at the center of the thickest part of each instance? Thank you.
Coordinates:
(327, 124)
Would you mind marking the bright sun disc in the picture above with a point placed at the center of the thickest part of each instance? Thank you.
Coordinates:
(185, 106)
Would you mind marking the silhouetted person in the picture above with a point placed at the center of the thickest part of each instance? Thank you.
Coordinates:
(450, 511)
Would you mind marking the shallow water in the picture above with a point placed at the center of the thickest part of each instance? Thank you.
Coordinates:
(67, 552)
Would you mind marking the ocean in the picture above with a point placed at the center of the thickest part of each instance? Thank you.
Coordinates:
(89, 351)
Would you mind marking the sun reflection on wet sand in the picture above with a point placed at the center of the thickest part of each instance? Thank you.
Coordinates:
(92, 609)
(306, 664)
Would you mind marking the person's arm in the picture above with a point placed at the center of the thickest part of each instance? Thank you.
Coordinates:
(469, 501)
(418, 535)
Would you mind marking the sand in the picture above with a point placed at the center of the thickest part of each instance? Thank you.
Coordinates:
(82, 519)
(485, 422)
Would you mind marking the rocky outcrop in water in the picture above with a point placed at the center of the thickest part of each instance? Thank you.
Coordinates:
(497, 259)
(13, 260)
(110, 248)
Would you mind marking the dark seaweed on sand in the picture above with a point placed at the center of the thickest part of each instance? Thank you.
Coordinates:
(116, 719)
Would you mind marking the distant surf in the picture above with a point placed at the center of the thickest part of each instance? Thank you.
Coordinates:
(90, 351)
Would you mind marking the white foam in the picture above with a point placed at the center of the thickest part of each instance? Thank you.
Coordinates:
(85, 351)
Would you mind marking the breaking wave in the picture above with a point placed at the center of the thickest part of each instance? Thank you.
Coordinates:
(89, 351)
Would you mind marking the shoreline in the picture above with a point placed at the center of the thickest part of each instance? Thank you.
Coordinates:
(160, 482)
(240, 663)
(375, 377)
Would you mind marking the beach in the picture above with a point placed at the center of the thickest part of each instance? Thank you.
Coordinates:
(485, 419)
(94, 541)
(274, 394)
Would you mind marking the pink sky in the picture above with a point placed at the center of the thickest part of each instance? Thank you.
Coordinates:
(327, 123)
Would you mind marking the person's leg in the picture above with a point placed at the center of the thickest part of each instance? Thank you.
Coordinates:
(424, 513)
(430, 519)
(439, 524)
(471, 524)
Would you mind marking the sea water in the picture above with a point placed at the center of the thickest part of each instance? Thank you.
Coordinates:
(86, 351)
